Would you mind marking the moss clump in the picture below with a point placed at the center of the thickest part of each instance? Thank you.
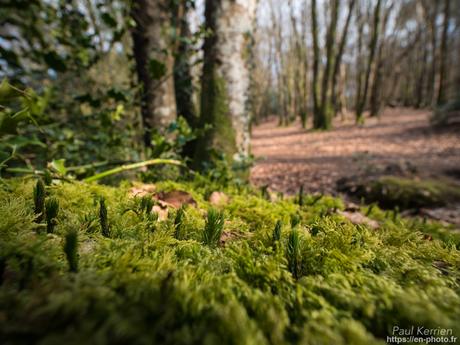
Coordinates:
(326, 281)
(390, 192)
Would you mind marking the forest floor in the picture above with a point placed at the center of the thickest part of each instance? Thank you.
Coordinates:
(400, 142)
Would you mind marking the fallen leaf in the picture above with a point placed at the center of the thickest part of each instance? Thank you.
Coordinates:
(359, 219)
(175, 198)
(218, 198)
(142, 190)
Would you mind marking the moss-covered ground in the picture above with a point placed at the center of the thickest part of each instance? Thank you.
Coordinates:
(144, 281)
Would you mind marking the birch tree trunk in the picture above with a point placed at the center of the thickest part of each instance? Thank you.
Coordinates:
(226, 79)
(154, 63)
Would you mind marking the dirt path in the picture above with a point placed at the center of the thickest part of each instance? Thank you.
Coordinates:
(288, 157)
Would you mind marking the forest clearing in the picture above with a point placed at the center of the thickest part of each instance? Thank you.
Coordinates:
(400, 143)
(229, 172)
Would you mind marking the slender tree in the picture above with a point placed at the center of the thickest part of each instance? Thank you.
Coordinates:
(372, 48)
(152, 44)
(443, 55)
(431, 14)
(316, 57)
(338, 57)
(359, 56)
(183, 79)
(324, 118)
(375, 98)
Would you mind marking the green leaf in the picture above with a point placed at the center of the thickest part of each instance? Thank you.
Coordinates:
(157, 69)
(9, 124)
(8, 92)
(117, 95)
(54, 61)
(109, 20)
(58, 165)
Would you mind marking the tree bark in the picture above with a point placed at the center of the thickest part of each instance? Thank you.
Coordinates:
(372, 49)
(183, 80)
(338, 58)
(324, 118)
(431, 16)
(377, 84)
(314, 32)
(154, 64)
(226, 79)
(359, 58)
(443, 55)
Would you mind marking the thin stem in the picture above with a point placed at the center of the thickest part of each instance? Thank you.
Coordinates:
(132, 167)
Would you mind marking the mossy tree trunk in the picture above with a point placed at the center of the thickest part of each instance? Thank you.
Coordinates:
(183, 80)
(226, 80)
(154, 63)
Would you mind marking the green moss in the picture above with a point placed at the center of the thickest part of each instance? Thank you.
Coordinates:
(351, 284)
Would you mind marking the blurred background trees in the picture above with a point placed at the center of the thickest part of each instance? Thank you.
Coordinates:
(360, 55)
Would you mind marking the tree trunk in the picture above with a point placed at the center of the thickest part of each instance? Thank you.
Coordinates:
(443, 55)
(314, 32)
(183, 80)
(420, 87)
(226, 80)
(154, 64)
(377, 85)
(359, 58)
(431, 18)
(372, 49)
(325, 108)
(338, 58)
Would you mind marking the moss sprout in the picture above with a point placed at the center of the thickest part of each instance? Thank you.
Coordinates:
(178, 221)
(293, 252)
(300, 200)
(103, 218)
(71, 250)
(277, 231)
(213, 228)
(51, 212)
(39, 194)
